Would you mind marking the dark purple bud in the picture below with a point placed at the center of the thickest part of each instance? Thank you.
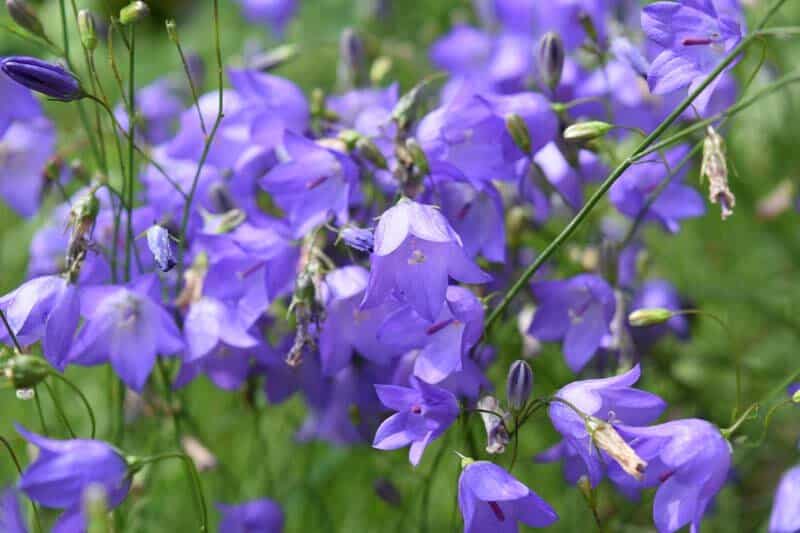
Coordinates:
(352, 59)
(24, 15)
(47, 78)
(550, 59)
(387, 492)
(158, 241)
(519, 384)
(358, 238)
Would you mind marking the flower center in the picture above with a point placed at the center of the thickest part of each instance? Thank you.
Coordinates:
(416, 409)
(498, 512)
(417, 257)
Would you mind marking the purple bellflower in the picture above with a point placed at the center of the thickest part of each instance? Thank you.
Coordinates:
(688, 460)
(46, 308)
(476, 213)
(785, 517)
(416, 250)
(690, 37)
(46, 78)
(491, 499)
(275, 13)
(126, 327)
(64, 469)
(262, 515)
(610, 400)
(11, 520)
(158, 108)
(578, 310)
(424, 412)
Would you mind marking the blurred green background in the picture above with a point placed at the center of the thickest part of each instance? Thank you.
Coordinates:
(744, 270)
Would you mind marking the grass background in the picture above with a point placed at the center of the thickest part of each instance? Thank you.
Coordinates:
(744, 270)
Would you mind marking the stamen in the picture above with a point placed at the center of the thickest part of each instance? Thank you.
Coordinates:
(498, 512)
(313, 184)
(696, 41)
(463, 211)
(439, 326)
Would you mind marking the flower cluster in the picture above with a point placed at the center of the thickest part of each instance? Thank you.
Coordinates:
(345, 249)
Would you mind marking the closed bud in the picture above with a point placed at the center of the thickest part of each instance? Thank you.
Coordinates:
(274, 58)
(358, 238)
(133, 12)
(418, 156)
(796, 396)
(586, 131)
(465, 461)
(606, 438)
(519, 132)
(408, 106)
(349, 138)
(550, 59)
(49, 79)
(369, 151)
(588, 26)
(172, 30)
(380, 70)
(23, 371)
(519, 384)
(649, 317)
(87, 30)
(352, 59)
(24, 15)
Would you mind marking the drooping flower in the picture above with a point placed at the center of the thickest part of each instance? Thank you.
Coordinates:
(491, 499)
(416, 251)
(424, 412)
(11, 519)
(47, 78)
(785, 517)
(688, 460)
(64, 470)
(690, 38)
(256, 515)
(126, 327)
(578, 310)
(45, 308)
(608, 400)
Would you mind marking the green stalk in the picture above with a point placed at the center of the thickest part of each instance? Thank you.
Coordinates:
(131, 150)
(82, 397)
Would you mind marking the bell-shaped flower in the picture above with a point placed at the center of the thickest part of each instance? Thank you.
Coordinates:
(491, 499)
(785, 517)
(126, 327)
(423, 413)
(578, 310)
(688, 460)
(416, 252)
(11, 518)
(476, 213)
(611, 400)
(46, 308)
(254, 515)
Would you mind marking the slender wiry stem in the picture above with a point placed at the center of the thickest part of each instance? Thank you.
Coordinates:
(11, 333)
(39, 411)
(131, 149)
(82, 397)
(37, 519)
(579, 218)
(59, 410)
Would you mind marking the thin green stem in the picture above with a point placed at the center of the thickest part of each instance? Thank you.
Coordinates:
(727, 432)
(131, 150)
(59, 410)
(11, 333)
(579, 218)
(768, 420)
(37, 519)
(38, 403)
(437, 460)
(194, 476)
(80, 394)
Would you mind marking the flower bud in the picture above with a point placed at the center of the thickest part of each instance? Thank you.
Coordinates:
(380, 70)
(87, 30)
(24, 15)
(606, 438)
(519, 132)
(387, 491)
(133, 12)
(158, 241)
(649, 317)
(24, 371)
(358, 238)
(172, 30)
(369, 151)
(496, 432)
(47, 78)
(796, 396)
(352, 59)
(408, 106)
(586, 131)
(550, 59)
(519, 384)
(274, 58)
(418, 156)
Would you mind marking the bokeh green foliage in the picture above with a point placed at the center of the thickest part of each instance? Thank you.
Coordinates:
(744, 270)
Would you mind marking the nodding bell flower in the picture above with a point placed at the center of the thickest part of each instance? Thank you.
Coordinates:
(785, 517)
(519, 384)
(497, 437)
(46, 78)
(491, 499)
(550, 59)
(11, 518)
(715, 168)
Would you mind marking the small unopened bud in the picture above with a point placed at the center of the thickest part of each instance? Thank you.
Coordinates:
(606, 438)
(349, 138)
(649, 317)
(588, 26)
(715, 168)
(796, 396)
(387, 492)
(172, 30)
(49, 79)
(87, 29)
(133, 12)
(24, 371)
(550, 59)
(359, 239)
(273, 58)
(352, 59)
(496, 432)
(465, 461)
(418, 156)
(586, 131)
(408, 106)
(519, 384)
(160, 245)
(519, 132)
(23, 14)
(380, 70)
(369, 151)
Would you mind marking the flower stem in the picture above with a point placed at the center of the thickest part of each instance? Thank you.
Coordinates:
(11, 333)
(38, 402)
(59, 410)
(80, 394)
(131, 151)
(10, 449)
